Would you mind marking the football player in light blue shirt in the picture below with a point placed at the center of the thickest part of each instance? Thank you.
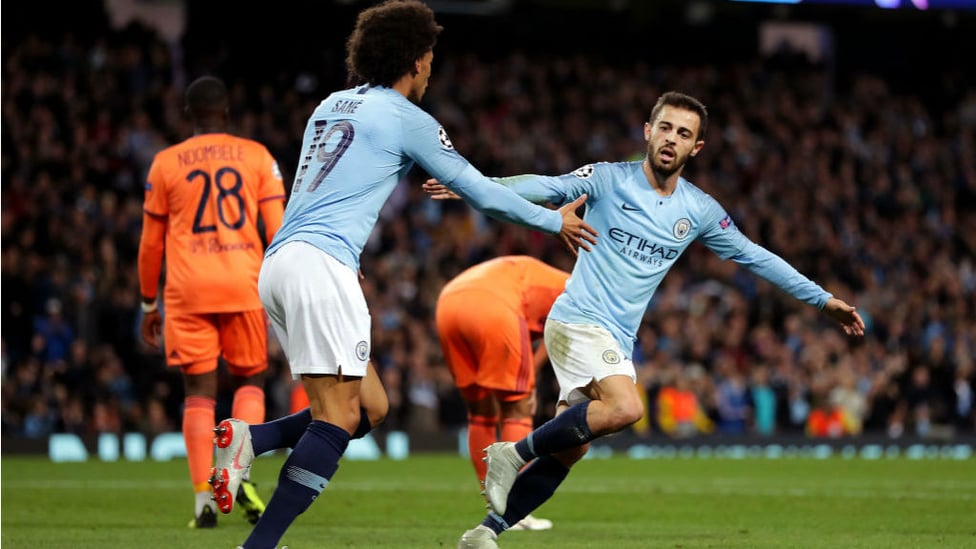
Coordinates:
(647, 216)
(358, 144)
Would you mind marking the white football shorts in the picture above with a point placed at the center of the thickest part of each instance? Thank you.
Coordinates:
(581, 354)
(317, 309)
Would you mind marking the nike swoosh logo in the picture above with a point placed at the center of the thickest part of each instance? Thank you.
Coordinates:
(628, 208)
(237, 458)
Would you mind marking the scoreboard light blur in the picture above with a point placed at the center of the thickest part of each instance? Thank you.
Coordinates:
(884, 4)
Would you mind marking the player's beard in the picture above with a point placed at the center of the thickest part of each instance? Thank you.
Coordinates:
(667, 171)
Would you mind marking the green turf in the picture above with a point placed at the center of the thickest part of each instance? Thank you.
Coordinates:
(429, 500)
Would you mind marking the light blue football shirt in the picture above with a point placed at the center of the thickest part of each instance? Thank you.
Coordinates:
(358, 144)
(642, 234)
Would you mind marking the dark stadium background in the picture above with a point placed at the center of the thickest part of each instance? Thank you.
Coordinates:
(289, 53)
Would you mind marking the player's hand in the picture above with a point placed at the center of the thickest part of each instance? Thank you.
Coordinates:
(845, 315)
(576, 233)
(152, 325)
(437, 191)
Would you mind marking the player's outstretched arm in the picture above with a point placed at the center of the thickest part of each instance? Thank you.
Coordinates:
(845, 315)
(575, 232)
(537, 189)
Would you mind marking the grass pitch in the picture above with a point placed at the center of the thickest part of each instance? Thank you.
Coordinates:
(429, 500)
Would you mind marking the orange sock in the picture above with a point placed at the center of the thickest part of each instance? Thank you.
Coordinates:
(299, 398)
(198, 426)
(482, 432)
(514, 430)
(248, 404)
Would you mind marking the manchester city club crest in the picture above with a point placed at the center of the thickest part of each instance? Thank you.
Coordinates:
(362, 350)
(611, 357)
(681, 228)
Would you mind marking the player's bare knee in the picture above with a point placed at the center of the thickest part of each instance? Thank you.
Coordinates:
(628, 413)
(377, 411)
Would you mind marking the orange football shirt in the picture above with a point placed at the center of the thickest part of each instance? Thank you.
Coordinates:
(522, 282)
(208, 188)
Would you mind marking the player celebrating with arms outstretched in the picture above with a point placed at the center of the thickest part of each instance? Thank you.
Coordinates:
(650, 214)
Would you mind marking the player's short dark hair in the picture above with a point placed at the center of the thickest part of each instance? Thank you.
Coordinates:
(206, 94)
(683, 101)
(388, 38)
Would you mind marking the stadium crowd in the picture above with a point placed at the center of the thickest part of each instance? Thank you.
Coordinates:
(868, 189)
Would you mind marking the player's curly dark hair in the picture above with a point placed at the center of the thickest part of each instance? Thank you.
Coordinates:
(388, 38)
(683, 101)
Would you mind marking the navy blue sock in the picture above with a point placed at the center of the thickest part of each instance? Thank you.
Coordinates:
(533, 487)
(281, 433)
(303, 476)
(567, 430)
(364, 425)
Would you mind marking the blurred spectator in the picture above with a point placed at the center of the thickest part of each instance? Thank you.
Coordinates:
(53, 336)
(887, 406)
(919, 399)
(964, 402)
(40, 419)
(679, 412)
(847, 401)
(763, 402)
(732, 398)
